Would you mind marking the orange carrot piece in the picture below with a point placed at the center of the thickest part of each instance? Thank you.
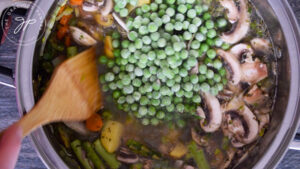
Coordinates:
(68, 40)
(76, 2)
(62, 31)
(94, 123)
(108, 48)
(65, 19)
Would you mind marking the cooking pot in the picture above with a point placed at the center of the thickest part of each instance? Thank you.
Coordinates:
(284, 30)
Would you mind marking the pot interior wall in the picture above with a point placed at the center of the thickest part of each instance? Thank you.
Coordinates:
(283, 87)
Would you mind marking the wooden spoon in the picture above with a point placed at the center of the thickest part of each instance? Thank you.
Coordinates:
(72, 95)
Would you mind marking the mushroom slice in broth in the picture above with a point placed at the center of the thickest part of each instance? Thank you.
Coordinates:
(212, 114)
(242, 26)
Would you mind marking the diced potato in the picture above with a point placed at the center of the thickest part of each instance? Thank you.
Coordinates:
(111, 135)
(178, 151)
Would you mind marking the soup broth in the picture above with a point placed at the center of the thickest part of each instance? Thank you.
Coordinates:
(185, 83)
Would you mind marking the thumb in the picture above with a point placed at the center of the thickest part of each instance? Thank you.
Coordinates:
(10, 144)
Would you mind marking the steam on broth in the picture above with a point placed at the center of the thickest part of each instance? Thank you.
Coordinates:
(186, 83)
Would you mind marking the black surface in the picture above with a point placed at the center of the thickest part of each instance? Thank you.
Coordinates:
(28, 158)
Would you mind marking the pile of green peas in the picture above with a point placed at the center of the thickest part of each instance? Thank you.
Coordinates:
(150, 76)
(120, 6)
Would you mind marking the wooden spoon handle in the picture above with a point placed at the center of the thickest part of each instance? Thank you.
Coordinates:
(32, 120)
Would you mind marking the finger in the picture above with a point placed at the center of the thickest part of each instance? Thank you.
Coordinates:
(10, 144)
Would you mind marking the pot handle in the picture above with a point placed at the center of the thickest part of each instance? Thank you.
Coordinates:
(8, 73)
(5, 4)
(295, 144)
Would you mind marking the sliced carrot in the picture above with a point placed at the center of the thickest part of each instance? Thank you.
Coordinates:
(61, 10)
(94, 123)
(108, 48)
(62, 31)
(65, 19)
(76, 2)
(68, 40)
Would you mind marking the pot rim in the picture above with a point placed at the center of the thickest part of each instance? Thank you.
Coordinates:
(271, 157)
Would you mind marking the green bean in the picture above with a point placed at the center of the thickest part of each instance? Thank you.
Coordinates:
(91, 154)
(198, 155)
(77, 149)
(109, 158)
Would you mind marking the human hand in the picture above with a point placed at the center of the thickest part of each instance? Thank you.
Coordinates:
(10, 143)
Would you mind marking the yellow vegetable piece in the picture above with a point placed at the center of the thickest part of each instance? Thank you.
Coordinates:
(108, 49)
(111, 135)
(178, 151)
(105, 21)
(140, 3)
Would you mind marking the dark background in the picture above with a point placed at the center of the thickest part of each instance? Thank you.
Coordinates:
(29, 159)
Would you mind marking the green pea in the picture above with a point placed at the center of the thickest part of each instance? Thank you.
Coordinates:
(170, 12)
(221, 23)
(154, 122)
(191, 13)
(210, 74)
(211, 53)
(211, 33)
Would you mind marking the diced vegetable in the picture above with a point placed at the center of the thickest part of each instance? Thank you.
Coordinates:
(105, 21)
(80, 154)
(65, 19)
(111, 135)
(178, 151)
(72, 51)
(68, 40)
(91, 154)
(108, 48)
(60, 6)
(67, 11)
(109, 158)
(76, 2)
(198, 155)
(94, 123)
(62, 31)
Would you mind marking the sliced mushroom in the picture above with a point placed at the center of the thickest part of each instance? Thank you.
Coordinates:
(232, 10)
(254, 72)
(89, 7)
(198, 139)
(241, 29)
(126, 156)
(107, 8)
(261, 46)
(212, 117)
(252, 124)
(241, 125)
(254, 96)
(242, 52)
(79, 127)
(232, 66)
(120, 22)
(82, 37)
(263, 119)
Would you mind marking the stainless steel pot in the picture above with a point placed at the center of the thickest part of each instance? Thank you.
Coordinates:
(285, 118)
